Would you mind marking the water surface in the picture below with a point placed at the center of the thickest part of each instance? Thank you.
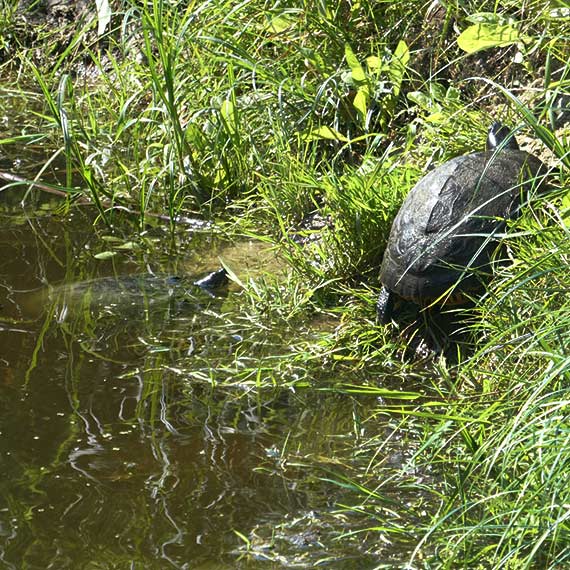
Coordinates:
(130, 436)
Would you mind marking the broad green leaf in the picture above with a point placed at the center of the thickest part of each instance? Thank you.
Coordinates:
(228, 112)
(280, 23)
(438, 117)
(484, 36)
(105, 255)
(398, 64)
(346, 77)
(420, 99)
(373, 62)
(402, 53)
(128, 245)
(361, 101)
(437, 91)
(453, 94)
(325, 133)
(356, 69)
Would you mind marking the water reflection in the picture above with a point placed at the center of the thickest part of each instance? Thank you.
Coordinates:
(114, 455)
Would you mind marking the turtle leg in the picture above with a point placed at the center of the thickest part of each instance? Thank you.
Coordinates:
(385, 306)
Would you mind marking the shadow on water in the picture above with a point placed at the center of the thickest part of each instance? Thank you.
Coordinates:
(120, 447)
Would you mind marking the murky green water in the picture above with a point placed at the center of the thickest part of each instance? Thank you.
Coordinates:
(131, 435)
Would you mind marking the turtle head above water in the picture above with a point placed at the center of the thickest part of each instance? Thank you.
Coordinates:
(500, 135)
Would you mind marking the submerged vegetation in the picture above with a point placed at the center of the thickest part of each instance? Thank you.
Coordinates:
(304, 124)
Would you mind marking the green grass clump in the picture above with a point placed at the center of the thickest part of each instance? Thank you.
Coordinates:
(496, 429)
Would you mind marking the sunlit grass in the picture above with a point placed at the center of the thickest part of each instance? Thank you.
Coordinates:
(305, 126)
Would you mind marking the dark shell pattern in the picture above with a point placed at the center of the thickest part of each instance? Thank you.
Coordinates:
(443, 236)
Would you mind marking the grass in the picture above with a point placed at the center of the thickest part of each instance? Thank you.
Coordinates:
(305, 125)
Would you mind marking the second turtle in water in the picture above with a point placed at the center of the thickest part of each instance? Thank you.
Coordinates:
(441, 241)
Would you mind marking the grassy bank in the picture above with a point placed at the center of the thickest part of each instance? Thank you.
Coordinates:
(306, 125)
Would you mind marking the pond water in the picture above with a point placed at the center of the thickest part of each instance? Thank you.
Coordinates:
(132, 434)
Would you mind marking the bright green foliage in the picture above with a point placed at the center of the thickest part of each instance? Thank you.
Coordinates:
(305, 124)
(482, 36)
(354, 214)
(507, 502)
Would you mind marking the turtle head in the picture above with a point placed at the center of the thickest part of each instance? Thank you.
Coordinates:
(501, 136)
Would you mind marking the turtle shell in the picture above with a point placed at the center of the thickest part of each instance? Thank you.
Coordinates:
(443, 237)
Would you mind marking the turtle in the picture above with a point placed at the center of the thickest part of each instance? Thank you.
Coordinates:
(129, 295)
(445, 234)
